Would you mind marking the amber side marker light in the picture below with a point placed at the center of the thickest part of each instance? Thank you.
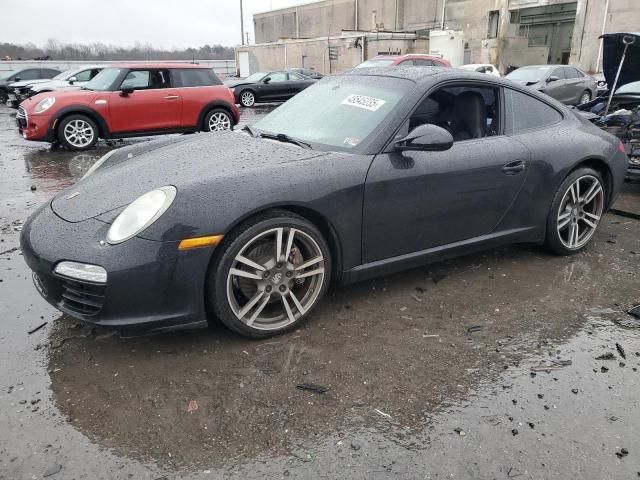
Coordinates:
(200, 242)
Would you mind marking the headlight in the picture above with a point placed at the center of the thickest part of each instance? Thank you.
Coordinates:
(45, 104)
(98, 163)
(140, 214)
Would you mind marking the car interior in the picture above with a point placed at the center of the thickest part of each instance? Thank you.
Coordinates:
(467, 112)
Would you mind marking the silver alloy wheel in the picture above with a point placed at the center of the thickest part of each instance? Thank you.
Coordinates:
(275, 278)
(247, 99)
(585, 97)
(580, 212)
(219, 121)
(78, 133)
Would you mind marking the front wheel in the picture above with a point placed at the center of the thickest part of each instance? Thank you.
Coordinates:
(3, 97)
(247, 98)
(585, 97)
(575, 212)
(270, 275)
(217, 120)
(77, 132)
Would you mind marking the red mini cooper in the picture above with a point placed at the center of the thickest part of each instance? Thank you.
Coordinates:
(128, 101)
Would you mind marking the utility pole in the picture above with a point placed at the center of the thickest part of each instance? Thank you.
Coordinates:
(241, 24)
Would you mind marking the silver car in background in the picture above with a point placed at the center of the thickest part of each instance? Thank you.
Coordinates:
(567, 84)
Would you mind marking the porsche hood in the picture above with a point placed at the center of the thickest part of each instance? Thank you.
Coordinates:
(186, 163)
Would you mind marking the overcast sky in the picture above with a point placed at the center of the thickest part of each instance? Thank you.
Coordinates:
(163, 23)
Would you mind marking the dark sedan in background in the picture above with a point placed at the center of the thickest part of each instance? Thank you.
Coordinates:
(35, 73)
(364, 174)
(569, 85)
(268, 87)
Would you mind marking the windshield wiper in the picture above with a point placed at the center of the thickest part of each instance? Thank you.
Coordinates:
(247, 129)
(281, 137)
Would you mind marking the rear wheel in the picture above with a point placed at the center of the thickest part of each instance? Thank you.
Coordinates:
(575, 212)
(217, 120)
(3, 97)
(585, 97)
(77, 132)
(270, 275)
(247, 98)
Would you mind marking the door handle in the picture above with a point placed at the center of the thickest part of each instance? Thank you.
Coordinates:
(171, 97)
(513, 168)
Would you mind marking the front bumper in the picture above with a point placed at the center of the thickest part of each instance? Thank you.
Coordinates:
(34, 127)
(150, 285)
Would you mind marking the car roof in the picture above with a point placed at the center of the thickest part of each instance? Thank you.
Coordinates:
(159, 65)
(408, 55)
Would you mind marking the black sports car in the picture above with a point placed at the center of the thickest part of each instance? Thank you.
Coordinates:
(364, 174)
(268, 87)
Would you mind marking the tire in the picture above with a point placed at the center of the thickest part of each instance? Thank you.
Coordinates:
(254, 307)
(247, 98)
(217, 120)
(77, 133)
(4, 96)
(578, 203)
(584, 97)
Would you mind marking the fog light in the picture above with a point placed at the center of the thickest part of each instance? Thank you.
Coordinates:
(82, 271)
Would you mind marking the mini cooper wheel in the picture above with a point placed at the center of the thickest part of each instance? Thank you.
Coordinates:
(576, 211)
(247, 98)
(77, 132)
(270, 275)
(217, 120)
(585, 97)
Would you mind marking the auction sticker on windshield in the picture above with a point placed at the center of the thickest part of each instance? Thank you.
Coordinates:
(362, 101)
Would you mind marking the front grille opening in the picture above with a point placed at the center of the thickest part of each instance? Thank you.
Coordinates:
(82, 298)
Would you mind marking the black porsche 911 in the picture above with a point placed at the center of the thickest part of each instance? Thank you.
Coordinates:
(268, 87)
(363, 174)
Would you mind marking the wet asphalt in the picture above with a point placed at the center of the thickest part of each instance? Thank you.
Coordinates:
(480, 367)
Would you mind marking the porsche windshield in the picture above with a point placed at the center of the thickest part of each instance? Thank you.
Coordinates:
(339, 112)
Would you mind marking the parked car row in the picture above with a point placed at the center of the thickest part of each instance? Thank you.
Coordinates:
(24, 74)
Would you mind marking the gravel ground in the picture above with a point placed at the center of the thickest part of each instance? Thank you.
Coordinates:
(480, 367)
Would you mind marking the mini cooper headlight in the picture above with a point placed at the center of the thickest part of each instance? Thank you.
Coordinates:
(140, 214)
(45, 104)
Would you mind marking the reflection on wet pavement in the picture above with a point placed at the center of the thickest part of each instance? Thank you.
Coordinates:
(463, 369)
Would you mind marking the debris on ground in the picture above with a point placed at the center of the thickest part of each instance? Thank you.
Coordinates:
(621, 351)
(437, 277)
(622, 453)
(475, 328)
(514, 431)
(34, 330)
(192, 407)
(355, 446)
(606, 356)
(459, 431)
(52, 470)
(313, 387)
(33, 188)
(379, 412)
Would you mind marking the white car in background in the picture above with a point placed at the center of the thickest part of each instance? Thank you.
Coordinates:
(74, 78)
(482, 68)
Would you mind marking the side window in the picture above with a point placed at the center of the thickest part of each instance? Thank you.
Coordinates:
(295, 76)
(467, 112)
(84, 76)
(277, 77)
(524, 112)
(146, 80)
(558, 72)
(189, 77)
(48, 73)
(571, 72)
(94, 72)
(29, 74)
(423, 63)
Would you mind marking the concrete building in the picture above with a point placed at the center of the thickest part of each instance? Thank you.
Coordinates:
(507, 33)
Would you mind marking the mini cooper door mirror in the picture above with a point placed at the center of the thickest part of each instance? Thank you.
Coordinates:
(426, 137)
(125, 92)
(73, 80)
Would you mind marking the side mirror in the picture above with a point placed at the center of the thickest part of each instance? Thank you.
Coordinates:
(552, 78)
(426, 138)
(125, 92)
(17, 79)
(266, 80)
(72, 80)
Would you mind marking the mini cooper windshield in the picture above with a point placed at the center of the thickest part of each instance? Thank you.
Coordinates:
(104, 80)
(339, 113)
